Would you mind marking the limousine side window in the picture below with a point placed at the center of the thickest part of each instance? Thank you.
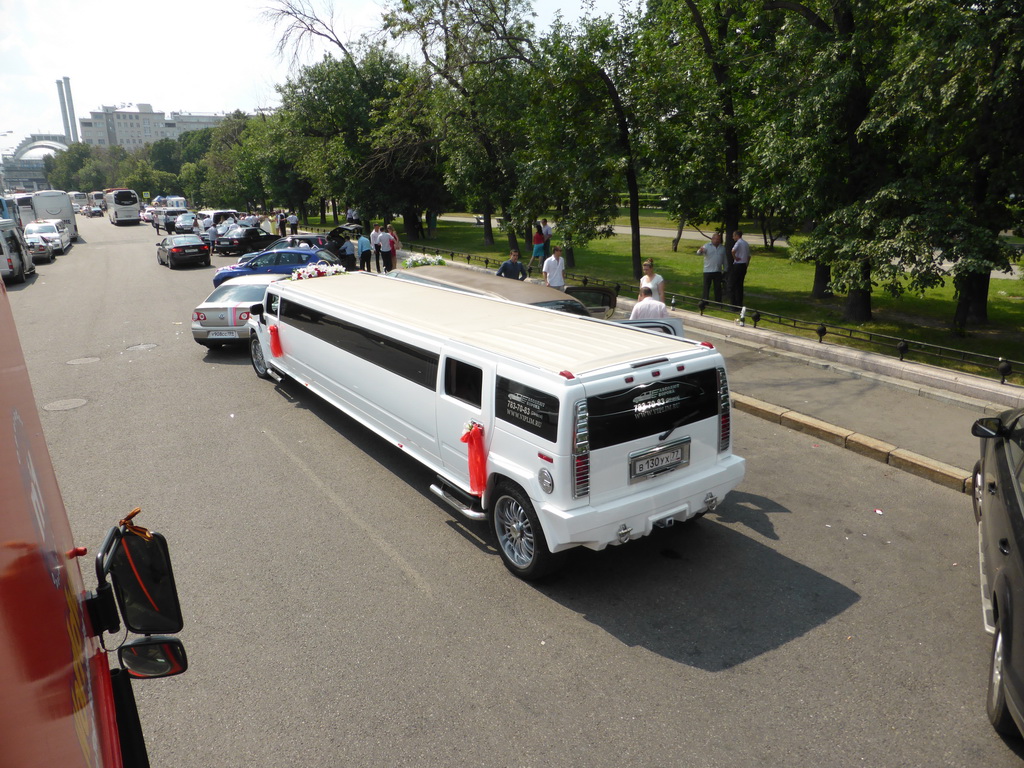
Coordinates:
(273, 302)
(463, 381)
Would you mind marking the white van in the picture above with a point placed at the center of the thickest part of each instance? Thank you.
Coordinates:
(15, 259)
(55, 204)
(592, 433)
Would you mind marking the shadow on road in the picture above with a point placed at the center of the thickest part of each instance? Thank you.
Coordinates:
(700, 593)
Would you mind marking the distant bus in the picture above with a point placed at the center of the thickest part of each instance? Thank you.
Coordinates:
(23, 207)
(55, 204)
(79, 198)
(122, 206)
(96, 198)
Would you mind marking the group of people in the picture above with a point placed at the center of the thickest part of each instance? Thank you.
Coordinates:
(382, 245)
(723, 266)
(287, 221)
(553, 268)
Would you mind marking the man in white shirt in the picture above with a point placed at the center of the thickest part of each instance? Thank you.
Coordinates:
(375, 244)
(648, 308)
(554, 270)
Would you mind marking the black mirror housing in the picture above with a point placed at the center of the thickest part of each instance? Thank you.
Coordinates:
(990, 426)
(152, 657)
(140, 571)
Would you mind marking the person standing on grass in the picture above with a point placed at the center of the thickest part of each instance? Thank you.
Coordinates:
(293, 222)
(715, 263)
(738, 270)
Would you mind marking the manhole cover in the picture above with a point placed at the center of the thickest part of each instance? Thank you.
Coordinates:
(141, 347)
(83, 360)
(65, 405)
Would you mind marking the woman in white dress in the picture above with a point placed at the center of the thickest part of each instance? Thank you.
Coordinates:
(655, 281)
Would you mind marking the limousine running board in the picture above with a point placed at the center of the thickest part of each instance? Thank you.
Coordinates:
(457, 499)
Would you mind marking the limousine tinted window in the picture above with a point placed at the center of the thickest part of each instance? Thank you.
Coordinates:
(463, 381)
(640, 411)
(409, 362)
(527, 408)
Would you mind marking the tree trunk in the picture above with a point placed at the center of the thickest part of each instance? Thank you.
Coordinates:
(822, 278)
(977, 308)
(323, 210)
(488, 227)
(858, 301)
(679, 236)
(334, 210)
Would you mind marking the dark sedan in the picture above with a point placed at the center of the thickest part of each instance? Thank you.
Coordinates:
(282, 262)
(244, 240)
(999, 510)
(175, 250)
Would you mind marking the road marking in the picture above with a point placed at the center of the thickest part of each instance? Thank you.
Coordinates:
(368, 530)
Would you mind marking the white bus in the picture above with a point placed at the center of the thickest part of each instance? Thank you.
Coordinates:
(20, 204)
(96, 198)
(122, 206)
(56, 204)
(586, 434)
(79, 198)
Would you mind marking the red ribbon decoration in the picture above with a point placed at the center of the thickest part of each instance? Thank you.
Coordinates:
(474, 438)
(275, 342)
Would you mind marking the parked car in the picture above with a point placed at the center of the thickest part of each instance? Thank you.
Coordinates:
(53, 231)
(184, 222)
(15, 262)
(221, 318)
(292, 241)
(175, 250)
(244, 240)
(282, 262)
(39, 249)
(999, 512)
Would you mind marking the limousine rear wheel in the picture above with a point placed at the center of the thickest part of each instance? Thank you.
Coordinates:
(259, 363)
(520, 537)
(996, 706)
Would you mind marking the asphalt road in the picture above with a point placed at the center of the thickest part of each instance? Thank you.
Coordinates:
(337, 615)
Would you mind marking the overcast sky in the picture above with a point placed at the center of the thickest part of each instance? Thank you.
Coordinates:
(185, 56)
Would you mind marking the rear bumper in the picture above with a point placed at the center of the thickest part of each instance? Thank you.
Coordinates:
(635, 515)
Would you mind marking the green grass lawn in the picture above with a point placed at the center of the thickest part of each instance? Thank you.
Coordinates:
(777, 285)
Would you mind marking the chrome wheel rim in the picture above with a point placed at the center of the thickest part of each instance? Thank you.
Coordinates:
(515, 534)
(996, 683)
(257, 356)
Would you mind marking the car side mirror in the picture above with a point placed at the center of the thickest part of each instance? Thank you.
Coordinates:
(257, 310)
(990, 426)
(151, 657)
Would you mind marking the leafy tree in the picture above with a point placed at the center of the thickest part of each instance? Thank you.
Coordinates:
(165, 155)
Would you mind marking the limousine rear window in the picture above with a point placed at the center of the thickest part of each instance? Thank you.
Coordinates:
(417, 365)
(648, 409)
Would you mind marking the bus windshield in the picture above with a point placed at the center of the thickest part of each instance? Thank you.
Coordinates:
(125, 197)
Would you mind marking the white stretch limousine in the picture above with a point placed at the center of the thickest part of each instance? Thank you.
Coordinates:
(592, 433)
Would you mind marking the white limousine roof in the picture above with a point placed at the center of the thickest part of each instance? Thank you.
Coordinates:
(549, 340)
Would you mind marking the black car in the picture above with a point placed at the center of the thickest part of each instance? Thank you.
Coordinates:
(175, 250)
(999, 511)
(244, 240)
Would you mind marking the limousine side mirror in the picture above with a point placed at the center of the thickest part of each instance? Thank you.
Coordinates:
(256, 310)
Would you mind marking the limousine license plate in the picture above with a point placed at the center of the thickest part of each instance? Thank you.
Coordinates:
(654, 461)
(223, 335)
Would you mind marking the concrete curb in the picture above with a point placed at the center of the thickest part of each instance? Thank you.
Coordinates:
(938, 472)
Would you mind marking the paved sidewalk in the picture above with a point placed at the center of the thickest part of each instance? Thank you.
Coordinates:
(912, 416)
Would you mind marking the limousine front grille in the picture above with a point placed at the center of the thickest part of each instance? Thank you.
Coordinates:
(581, 451)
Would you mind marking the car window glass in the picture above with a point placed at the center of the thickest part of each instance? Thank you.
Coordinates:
(1015, 448)
(265, 260)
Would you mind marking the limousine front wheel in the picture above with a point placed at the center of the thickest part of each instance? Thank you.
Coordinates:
(259, 364)
(520, 538)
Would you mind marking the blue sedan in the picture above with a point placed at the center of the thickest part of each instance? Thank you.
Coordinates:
(281, 262)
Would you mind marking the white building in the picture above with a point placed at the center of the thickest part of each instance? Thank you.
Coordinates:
(132, 128)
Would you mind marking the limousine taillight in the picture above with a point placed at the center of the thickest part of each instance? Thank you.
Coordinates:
(724, 412)
(581, 451)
